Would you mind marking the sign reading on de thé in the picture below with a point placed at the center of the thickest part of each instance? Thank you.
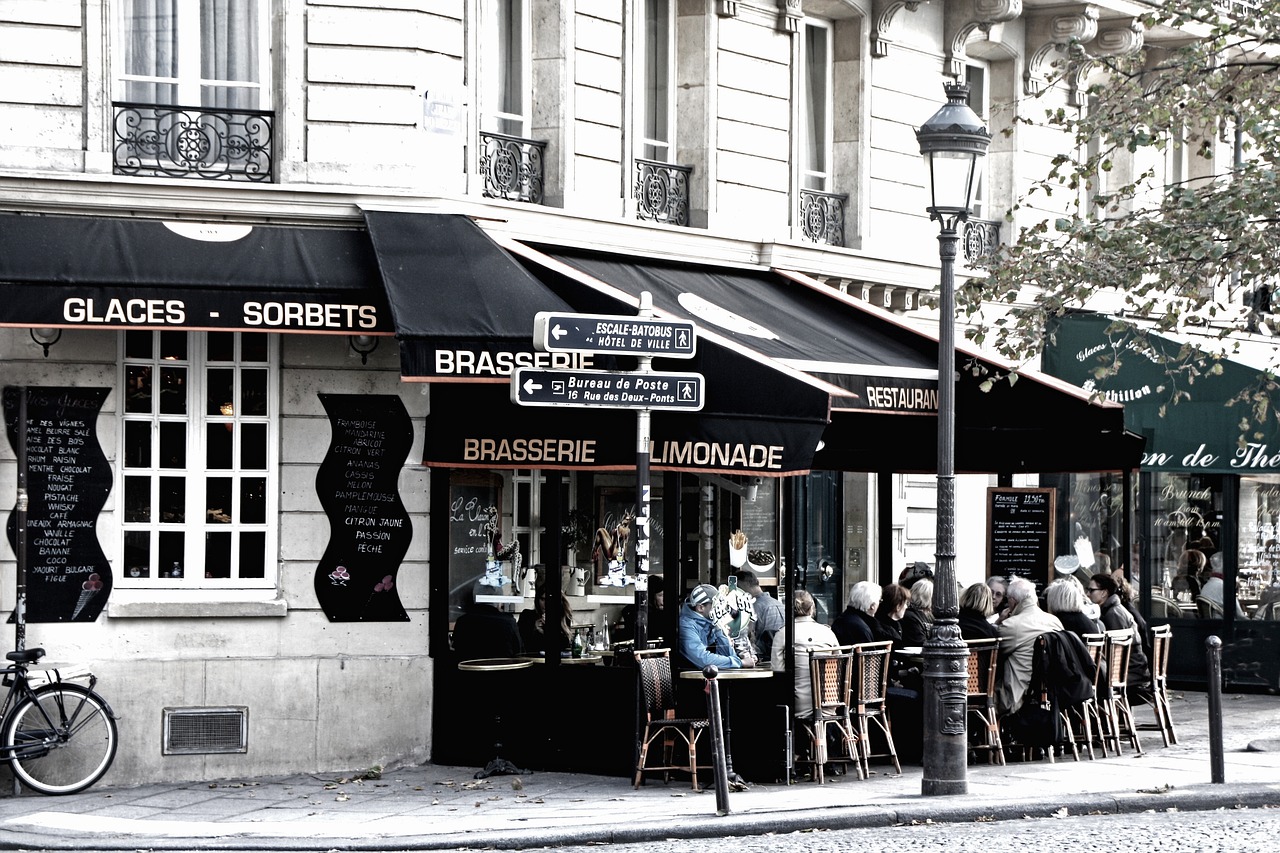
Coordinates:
(613, 334)
(608, 390)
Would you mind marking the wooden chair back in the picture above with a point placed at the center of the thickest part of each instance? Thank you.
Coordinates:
(1208, 609)
(831, 678)
(656, 682)
(983, 667)
(1161, 637)
(871, 673)
(1119, 646)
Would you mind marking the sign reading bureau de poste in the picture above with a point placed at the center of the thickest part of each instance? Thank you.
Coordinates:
(612, 334)
(676, 392)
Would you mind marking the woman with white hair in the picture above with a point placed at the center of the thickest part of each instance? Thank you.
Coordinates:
(918, 619)
(1018, 633)
(857, 623)
(1065, 599)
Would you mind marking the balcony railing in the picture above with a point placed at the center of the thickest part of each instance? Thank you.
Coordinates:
(512, 167)
(981, 240)
(151, 140)
(822, 217)
(662, 192)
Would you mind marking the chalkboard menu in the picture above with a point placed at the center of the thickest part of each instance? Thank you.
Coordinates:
(474, 501)
(68, 480)
(1020, 532)
(369, 528)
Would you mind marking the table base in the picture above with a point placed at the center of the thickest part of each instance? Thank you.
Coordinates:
(500, 767)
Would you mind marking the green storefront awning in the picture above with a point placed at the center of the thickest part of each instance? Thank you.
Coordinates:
(1200, 433)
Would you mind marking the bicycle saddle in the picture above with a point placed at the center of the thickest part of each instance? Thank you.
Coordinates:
(25, 655)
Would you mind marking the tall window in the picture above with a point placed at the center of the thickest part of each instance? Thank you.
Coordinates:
(816, 164)
(504, 66)
(198, 459)
(205, 53)
(979, 101)
(658, 73)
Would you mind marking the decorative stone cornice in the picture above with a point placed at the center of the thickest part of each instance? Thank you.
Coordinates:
(882, 14)
(962, 19)
(1045, 38)
(790, 14)
(1121, 40)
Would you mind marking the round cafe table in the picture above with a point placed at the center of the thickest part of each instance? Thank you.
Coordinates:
(497, 765)
(729, 676)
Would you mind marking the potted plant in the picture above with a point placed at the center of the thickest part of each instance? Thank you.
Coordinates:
(578, 530)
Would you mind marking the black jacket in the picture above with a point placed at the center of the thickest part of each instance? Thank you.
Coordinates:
(853, 626)
(974, 626)
(915, 627)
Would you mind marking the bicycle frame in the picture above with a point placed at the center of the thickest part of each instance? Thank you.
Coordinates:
(55, 732)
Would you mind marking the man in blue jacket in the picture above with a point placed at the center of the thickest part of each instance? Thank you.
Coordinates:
(702, 643)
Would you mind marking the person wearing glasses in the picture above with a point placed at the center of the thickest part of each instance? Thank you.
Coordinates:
(1105, 592)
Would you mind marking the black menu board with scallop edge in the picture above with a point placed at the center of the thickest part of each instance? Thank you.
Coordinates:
(68, 577)
(1020, 525)
(369, 528)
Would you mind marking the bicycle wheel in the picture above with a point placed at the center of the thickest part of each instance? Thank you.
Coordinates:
(79, 734)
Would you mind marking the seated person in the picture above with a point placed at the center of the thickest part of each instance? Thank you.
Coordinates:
(998, 585)
(1065, 599)
(1191, 564)
(624, 628)
(1105, 592)
(894, 599)
(975, 613)
(1018, 632)
(484, 631)
(532, 623)
(918, 620)
(857, 624)
(810, 634)
(768, 617)
(702, 642)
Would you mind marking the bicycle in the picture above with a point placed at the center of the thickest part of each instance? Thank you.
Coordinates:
(57, 737)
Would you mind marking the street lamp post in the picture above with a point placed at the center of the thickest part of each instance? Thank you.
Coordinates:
(952, 143)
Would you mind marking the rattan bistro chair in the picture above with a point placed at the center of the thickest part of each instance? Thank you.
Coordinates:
(1161, 637)
(1113, 696)
(868, 701)
(831, 679)
(679, 736)
(984, 668)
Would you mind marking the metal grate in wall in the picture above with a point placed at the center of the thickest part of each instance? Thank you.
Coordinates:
(200, 731)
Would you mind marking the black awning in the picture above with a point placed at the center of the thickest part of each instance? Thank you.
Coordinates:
(463, 307)
(78, 271)
(889, 423)
(886, 366)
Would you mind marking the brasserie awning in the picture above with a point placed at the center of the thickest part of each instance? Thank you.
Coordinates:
(1201, 432)
(115, 272)
(888, 421)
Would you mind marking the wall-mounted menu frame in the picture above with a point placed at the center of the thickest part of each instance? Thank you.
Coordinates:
(1020, 531)
(68, 578)
(369, 528)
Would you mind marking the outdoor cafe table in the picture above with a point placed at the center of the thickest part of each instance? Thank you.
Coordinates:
(728, 677)
(497, 765)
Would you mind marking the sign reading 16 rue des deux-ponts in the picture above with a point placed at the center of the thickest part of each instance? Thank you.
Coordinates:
(613, 335)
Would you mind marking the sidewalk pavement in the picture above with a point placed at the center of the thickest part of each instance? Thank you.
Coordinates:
(436, 807)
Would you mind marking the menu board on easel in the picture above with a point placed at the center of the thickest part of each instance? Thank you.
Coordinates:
(1020, 526)
(68, 578)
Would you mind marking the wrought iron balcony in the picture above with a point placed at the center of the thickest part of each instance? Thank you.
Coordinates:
(662, 192)
(822, 217)
(981, 240)
(512, 167)
(152, 140)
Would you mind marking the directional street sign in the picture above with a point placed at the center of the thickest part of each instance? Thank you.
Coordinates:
(615, 335)
(603, 389)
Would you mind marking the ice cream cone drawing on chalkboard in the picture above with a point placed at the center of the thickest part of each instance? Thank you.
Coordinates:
(88, 590)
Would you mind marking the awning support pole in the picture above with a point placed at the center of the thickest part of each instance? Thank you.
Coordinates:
(20, 531)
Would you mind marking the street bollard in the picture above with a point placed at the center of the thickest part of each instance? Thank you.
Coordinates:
(719, 766)
(1217, 769)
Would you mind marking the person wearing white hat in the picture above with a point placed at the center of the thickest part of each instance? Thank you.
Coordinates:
(702, 642)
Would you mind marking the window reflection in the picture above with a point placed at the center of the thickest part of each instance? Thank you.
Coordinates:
(138, 389)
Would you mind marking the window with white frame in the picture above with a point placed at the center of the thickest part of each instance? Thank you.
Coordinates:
(975, 76)
(526, 513)
(205, 53)
(816, 105)
(198, 459)
(657, 76)
(505, 89)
